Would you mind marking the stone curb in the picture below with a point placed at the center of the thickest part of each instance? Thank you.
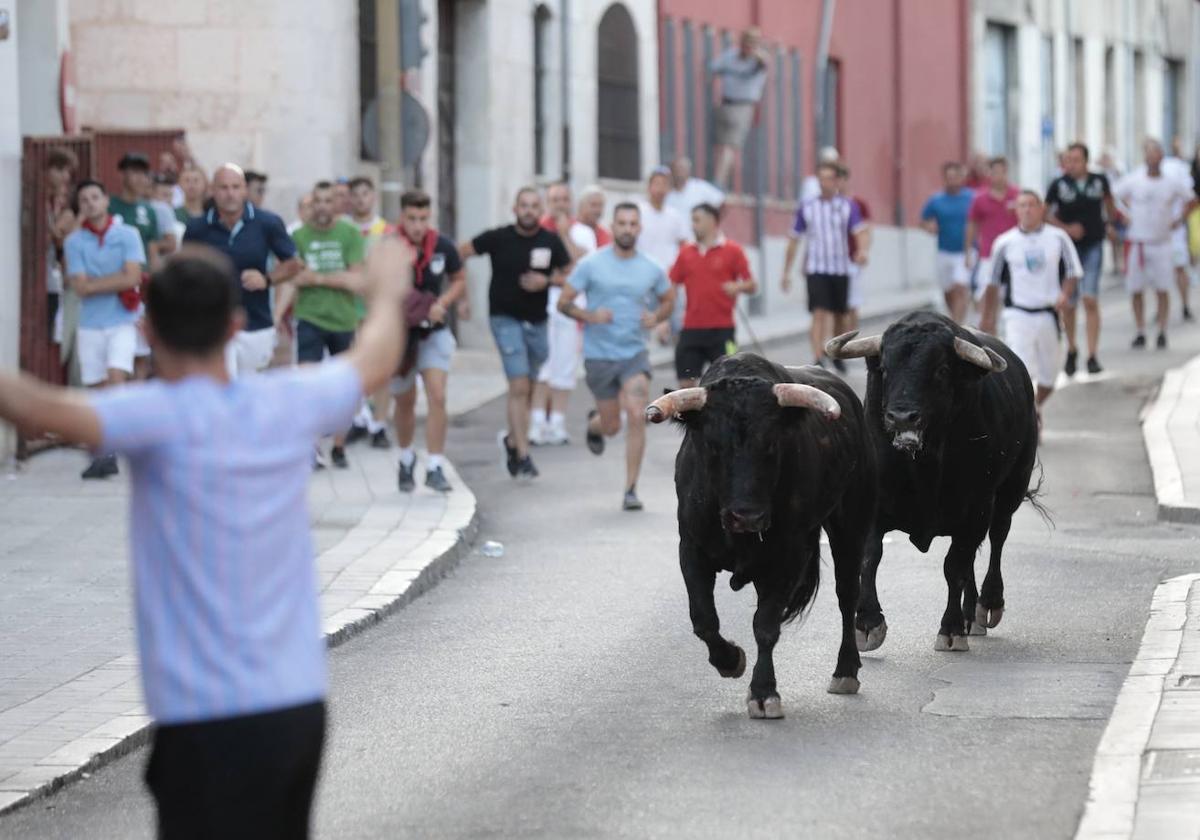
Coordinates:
(1117, 777)
(115, 738)
(1176, 394)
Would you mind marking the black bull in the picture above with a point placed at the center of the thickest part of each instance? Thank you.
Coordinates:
(770, 456)
(954, 426)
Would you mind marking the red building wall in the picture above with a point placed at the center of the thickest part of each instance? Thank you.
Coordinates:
(904, 77)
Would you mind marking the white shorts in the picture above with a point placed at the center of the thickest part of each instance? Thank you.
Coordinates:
(1033, 336)
(143, 347)
(951, 271)
(1149, 265)
(983, 276)
(562, 365)
(854, 293)
(249, 352)
(1180, 255)
(102, 350)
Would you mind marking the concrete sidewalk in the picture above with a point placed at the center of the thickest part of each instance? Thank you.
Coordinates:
(1172, 433)
(69, 690)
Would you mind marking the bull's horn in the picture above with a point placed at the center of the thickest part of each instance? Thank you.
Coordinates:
(795, 395)
(846, 346)
(676, 402)
(984, 357)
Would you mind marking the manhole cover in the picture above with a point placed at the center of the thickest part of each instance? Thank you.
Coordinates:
(1172, 766)
(980, 689)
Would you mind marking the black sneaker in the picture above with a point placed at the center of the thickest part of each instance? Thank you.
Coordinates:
(101, 467)
(379, 440)
(1161, 344)
(405, 477)
(510, 453)
(338, 456)
(526, 470)
(435, 479)
(1072, 362)
(1187, 315)
(839, 365)
(1139, 343)
(631, 502)
(356, 433)
(595, 442)
(1093, 365)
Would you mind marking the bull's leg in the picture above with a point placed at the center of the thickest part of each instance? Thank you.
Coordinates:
(846, 545)
(952, 633)
(969, 601)
(990, 608)
(763, 700)
(700, 578)
(871, 627)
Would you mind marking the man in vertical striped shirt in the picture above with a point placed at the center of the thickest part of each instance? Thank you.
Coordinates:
(228, 629)
(825, 224)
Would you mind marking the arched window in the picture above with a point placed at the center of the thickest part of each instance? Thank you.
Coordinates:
(618, 129)
(541, 88)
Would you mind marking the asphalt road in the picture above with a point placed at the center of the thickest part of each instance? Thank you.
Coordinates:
(557, 691)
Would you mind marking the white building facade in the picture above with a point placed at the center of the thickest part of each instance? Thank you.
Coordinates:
(1109, 73)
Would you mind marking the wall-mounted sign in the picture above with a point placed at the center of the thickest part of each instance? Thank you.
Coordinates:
(4, 24)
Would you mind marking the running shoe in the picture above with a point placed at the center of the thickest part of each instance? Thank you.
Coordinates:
(1139, 343)
(405, 477)
(631, 502)
(1093, 365)
(435, 479)
(101, 467)
(839, 366)
(379, 440)
(526, 470)
(356, 433)
(338, 456)
(1161, 344)
(511, 461)
(595, 441)
(1072, 362)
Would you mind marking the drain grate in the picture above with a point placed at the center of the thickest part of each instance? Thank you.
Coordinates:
(1172, 766)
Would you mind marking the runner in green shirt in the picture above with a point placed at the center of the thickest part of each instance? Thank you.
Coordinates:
(326, 310)
(129, 206)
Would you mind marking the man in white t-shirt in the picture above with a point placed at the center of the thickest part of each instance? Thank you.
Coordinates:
(1176, 168)
(1156, 204)
(686, 191)
(664, 231)
(1027, 262)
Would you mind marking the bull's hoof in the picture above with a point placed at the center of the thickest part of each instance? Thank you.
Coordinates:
(871, 639)
(844, 685)
(975, 628)
(951, 643)
(994, 615)
(738, 669)
(770, 708)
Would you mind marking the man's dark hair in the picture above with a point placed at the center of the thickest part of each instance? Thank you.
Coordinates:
(1033, 193)
(831, 166)
(60, 158)
(322, 185)
(361, 181)
(710, 209)
(1082, 147)
(626, 205)
(415, 198)
(191, 299)
(999, 160)
(951, 164)
(253, 177)
(88, 182)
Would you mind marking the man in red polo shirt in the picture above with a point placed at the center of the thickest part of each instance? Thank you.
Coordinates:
(714, 271)
(993, 211)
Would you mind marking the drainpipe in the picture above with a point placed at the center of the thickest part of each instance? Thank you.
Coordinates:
(760, 154)
(822, 61)
(565, 74)
(387, 82)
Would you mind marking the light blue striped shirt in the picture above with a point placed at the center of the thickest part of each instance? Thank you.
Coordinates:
(223, 570)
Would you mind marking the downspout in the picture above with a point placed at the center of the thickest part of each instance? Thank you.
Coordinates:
(761, 163)
(565, 73)
(898, 140)
(822, 61)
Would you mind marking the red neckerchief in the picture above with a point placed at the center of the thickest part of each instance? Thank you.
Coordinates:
(108, 222)
(425, 255)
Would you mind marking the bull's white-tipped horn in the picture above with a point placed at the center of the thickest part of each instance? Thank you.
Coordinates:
(984, 357)
(795, 395)
(676, 402)
(846, 346)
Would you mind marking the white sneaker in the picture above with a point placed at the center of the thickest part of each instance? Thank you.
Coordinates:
(538, 435)
(556, 437)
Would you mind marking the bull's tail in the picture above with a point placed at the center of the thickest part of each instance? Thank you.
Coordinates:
(1034, 495)
(805, 592)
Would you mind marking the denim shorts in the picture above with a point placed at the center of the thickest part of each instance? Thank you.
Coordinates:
(434, 352)
(523, 346)
(1092, 258)
(312, 341)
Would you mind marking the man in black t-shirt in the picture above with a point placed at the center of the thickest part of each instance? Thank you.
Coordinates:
(526, 261)
(1078, 202)
(438, 277)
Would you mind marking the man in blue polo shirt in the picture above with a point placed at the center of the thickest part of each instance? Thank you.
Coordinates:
(104, 266)
(247, 234)
(945, 216)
